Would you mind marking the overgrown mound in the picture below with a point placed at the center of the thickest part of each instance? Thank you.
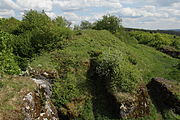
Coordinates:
(123, 81)
(79, 93)
(74, 64)
(118, 72)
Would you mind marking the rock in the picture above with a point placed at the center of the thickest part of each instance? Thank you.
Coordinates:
(37, 104)
(129, 105)
(44, 87)
(165, 93)
(44, 74)
(33, 108)
(171, 52)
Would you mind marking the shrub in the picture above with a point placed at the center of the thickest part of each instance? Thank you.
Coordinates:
(7, 62)
(22, 45)
(9, 24)
(159, 41)
(108, 22)
(65, 90)
(118, 74)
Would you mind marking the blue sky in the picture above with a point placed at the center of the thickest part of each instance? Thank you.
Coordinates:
(147, 14)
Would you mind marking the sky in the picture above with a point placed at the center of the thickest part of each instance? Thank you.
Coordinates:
(146, 14)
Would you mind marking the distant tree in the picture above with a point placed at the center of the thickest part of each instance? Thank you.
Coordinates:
(61, 22)
(35, 20)
(85, 25)
(76, 27)
(40, 31)
(109, 22)
(9, 24)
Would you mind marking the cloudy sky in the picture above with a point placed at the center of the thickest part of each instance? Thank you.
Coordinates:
(148, 14)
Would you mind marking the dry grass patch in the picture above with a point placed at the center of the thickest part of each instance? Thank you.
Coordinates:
(12, 91)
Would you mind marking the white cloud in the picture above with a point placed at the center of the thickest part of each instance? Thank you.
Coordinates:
(146, 11)
(51, 14)
(176, 5)
(35, 4)
(6, 13)
(149, 13)
(83, 4)
(8, 4)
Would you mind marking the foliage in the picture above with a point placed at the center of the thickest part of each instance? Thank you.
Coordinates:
(118, 73)
(35, 20)
(9, 24)
(11, 96)
(65, 90)
(108, 22)
(45, 33)
(85, 25)
(22, 45)
(156, 40)
(36, 33)
(7, 62)
(73, 64)
(119, 60)
(61, 22)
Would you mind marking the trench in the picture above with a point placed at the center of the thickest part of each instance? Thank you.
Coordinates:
(104, 104)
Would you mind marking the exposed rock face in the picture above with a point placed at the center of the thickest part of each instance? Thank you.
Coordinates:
(134, 106)
(37, 105)
(42, 74)
(35, 109)
(172, 53)
(166, 93)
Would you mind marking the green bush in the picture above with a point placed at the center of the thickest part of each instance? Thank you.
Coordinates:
(22, 45)
(108, 22)
(9, 25)
(117, 72)
(156, 40)
(7, 62)
(65, 90)
(159, 41)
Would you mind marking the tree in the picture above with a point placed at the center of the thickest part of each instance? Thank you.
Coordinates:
(76, 27)
(35, 20)
(9, 24)
(85, 25)
(61, 22)
(7, 62)
(110, 23)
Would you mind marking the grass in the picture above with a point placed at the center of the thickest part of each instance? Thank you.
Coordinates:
(43, 62)
(154, 63)
(73, 64)
(12, 91)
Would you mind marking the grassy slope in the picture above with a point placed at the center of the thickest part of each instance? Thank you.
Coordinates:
(12, 91)
(154, 63)
(151, 62)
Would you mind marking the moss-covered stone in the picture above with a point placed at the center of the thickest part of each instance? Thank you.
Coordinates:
(133, 105)
(166, 93)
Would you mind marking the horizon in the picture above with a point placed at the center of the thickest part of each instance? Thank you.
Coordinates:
(151, 14)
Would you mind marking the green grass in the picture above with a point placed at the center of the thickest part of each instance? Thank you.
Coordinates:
(154, 63)
(43, 62)
(12, 91)
(73, 64)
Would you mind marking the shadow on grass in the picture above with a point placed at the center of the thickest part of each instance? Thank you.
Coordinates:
(161, 98)
(104, 104)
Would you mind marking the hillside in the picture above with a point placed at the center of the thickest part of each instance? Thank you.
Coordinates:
(95, 72)
(169, 31)
(76, 61)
